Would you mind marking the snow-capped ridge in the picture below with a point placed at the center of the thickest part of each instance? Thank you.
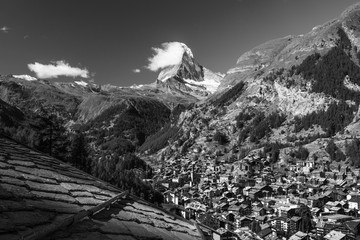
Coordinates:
(81, 83)
(25, 77)
(187, 50)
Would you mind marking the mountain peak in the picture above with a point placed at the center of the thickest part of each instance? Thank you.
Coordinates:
(187, 50)
(186, 68)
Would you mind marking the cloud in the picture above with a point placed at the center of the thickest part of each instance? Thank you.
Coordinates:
(56, 69)
(5, 29)
(169, 54)
(136, 70)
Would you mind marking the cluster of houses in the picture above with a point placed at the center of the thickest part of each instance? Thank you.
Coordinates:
(234, 201)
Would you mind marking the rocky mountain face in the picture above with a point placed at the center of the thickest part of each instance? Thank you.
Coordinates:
(188, 79)
(281, 95)
(40, 113)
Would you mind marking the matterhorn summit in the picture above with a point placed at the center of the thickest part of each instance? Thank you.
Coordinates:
(188, 76)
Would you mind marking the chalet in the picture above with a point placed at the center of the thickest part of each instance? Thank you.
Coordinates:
(244, 166)
(246, 182)
(223, 234)
(269, 210)
(318, 201)
(286, 211)
(235, 209)
(279, 224)
(172, 197)
(354, 201)
(243, 222)
(299, 236)
(316, 211)
(258, 211)
(335, 235)
(294, 224)
(354, 227)
(226, 224)
(244, 210)
(177, 210)
(223, 206)
(268, 202)
(230, 217)
(261, 219)
(265, 234)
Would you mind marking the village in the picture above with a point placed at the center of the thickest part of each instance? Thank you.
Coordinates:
(235, 200)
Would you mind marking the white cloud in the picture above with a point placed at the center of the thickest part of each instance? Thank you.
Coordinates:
(56, 69)
(136, 70)
(5, 29)
(169, 54)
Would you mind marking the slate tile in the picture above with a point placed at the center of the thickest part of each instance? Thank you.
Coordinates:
(17, 191)
(55, 206)
(113, 226)
(10, 173)
(37, 178)
(86, 225)
(43, 173)
(13, 181)
(88, 201)
(101, 197)
(139, 231)
(22, 163)
(185, 236)
(120, 237)
(6, 225)
(81, 194)
(87, 236)
(55, 196)
(80, 187)
(4, 194)
(8, 236)
(10, 205)
(30, 218)
(4, 165)
(46, 187)
(163, 233)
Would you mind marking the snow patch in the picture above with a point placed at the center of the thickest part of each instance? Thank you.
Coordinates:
(211, 81)
(168, 72)
(25, 77)
(136, 86)
(240, 69)
(352, 86)
(81, 83)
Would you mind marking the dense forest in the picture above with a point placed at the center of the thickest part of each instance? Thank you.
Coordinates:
(230, 95)
(332, 120)
(257, 125)
(327, 74)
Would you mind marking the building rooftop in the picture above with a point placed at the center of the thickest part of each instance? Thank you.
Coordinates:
(42, 197)
(334, 235)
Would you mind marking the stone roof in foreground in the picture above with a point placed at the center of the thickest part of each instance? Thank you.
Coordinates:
(44, 198)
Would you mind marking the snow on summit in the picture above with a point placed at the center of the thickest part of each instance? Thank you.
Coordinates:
(25, 77)
(170, 54)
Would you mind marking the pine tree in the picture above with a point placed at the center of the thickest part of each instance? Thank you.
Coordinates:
(79, 154)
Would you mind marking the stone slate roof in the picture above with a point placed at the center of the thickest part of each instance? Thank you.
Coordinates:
(44, 198)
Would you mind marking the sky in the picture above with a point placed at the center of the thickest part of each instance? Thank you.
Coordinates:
(114, 41)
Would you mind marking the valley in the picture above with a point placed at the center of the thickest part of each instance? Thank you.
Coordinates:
(269, 150)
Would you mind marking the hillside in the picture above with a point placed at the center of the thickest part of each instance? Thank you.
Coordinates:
(286, 93)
